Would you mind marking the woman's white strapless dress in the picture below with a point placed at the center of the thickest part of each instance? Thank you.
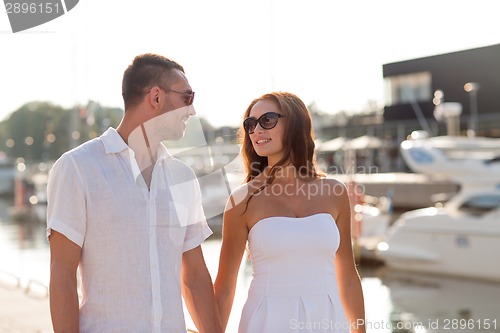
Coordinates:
(294, 286)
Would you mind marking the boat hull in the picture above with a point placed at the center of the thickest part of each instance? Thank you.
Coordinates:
(445, 245)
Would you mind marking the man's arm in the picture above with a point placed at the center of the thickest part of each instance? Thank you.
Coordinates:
(198, 292)
(64, 307)
(234, 239)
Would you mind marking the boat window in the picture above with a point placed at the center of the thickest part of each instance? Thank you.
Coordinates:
(481, 204)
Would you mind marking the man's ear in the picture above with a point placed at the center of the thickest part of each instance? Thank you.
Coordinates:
(154, 96)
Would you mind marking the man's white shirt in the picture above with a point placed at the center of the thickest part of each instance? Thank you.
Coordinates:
(132, 237)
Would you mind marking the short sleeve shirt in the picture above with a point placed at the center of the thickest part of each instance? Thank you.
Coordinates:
(132, 237)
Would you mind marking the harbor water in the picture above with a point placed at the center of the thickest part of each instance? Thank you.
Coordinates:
(395, 302)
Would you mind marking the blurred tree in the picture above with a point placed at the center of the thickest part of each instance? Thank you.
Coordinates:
(41, 131)
(27, 129)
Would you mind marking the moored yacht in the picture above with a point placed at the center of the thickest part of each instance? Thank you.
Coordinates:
(461, 237)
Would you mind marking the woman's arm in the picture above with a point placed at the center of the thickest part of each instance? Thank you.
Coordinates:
(198, 293)
(234, 237)
(349, 283)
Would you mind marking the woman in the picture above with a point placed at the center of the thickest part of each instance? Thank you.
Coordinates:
(297, 224)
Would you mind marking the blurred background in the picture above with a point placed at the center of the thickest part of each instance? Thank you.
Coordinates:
(406, 111)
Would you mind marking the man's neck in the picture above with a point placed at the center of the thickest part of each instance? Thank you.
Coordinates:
(145, 151)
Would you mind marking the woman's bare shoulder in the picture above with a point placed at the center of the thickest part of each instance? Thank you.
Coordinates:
(238, 196)
(243, 192)
(335, 185)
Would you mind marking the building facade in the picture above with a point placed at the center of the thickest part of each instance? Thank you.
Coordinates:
(413, 89)
(471, 78)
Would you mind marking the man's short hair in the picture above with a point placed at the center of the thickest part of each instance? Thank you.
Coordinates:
(146, 71)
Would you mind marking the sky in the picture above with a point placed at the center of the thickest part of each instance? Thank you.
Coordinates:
(328, 52)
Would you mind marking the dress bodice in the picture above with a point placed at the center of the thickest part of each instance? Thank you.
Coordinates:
(294, 255)
(294, 286)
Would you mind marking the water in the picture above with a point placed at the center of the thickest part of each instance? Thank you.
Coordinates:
(24, 250)
(394, 302)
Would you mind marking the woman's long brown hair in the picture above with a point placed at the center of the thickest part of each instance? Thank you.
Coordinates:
(298, 141)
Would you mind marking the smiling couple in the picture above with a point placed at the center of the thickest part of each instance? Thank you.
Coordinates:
(129, 216)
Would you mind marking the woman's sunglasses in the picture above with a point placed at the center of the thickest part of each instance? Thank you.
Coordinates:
(267, 121)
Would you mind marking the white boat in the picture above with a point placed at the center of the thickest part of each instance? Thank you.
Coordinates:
(461, 159)
(461, 237)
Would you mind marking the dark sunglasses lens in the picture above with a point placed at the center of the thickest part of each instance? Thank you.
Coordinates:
(268, 120)
(249, 125)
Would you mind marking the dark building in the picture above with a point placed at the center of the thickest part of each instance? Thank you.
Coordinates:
(410, 86)
(410, 100)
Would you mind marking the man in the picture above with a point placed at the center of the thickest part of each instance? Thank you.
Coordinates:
(130, 216)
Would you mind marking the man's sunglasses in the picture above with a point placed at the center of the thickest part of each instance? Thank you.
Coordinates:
(267, 121)
(188, 96)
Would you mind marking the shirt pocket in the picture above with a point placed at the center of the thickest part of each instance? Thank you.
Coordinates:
(173, 221)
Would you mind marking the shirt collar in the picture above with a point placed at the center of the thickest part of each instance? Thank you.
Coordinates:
(113, 143)
(163, 152)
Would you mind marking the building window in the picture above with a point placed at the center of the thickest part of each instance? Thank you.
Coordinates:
(408, 88)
